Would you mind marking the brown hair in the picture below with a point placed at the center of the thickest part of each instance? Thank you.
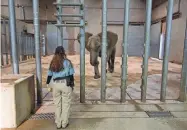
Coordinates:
(58, 58)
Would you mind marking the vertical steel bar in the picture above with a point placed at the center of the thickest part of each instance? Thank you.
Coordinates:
(11, 61)
(18, 46)
(13, 37)
(104, 46)
(23, 11)
(5, 39)
(124, 55)
(26, 47)
(183, 84)
(2, 57)
(166, 50)
(82, 55)
(37, 51)
(59, 21)
(146, 50)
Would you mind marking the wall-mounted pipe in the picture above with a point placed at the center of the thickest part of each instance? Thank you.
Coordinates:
(166, 50)
(23, 11)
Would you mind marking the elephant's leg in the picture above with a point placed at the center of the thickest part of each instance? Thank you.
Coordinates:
(112, 58)
(96, 69)
(109, 63)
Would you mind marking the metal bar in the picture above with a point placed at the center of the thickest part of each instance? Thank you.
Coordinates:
(183, 84)
(18, 47)
(69, 25)
(166, 50)
(70, 39)
(23, 11)
(67, 4)
(124, 56)
(104, 46)
(82, 56)
(37, 51)
(13, 38)
(5, 38)
(2, 58)
(59, 21)
(68, 15)
(146, 50)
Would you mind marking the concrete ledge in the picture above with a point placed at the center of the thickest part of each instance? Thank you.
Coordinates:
(17, 99)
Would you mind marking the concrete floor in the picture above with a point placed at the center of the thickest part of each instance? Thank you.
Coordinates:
(113, 114)
(110, 124)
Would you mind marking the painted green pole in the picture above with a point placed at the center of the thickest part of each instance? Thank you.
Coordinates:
(166, 50)
(124, 46)
(146, 50)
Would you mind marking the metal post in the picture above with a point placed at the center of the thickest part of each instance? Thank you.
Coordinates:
(166, 50)
(59, 21)
(37, 51)
(5, 38)
(146, 50)
(23, 11)
(104, 46)
(82, 55)
(124, 56)
(2, 58)
(183, 85)
(13, 36)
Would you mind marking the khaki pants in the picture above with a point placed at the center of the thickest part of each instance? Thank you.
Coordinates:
(62, 100)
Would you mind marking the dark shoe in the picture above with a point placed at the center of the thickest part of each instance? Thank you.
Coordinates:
(58, 127)
(65, 126)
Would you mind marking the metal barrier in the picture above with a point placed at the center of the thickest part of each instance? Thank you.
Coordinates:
(60, 5)
(59, 24)
(24, 45)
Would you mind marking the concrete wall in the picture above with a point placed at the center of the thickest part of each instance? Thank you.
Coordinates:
(178, 28)
(93, 16)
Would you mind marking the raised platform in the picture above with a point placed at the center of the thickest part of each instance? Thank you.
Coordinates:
(17, 99)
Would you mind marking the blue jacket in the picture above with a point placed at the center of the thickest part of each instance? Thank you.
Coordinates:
(67, 71)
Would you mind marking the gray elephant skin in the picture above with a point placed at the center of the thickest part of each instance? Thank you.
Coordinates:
(93, 45)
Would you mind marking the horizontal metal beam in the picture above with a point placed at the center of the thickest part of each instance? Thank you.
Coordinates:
(68, 25)
(68, 4)
(68, 15)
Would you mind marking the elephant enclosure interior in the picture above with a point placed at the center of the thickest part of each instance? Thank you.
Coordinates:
(113, 79)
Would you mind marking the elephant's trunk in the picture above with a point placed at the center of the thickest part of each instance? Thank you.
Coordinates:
(93, 58)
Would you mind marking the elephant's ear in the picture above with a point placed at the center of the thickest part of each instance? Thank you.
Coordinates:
(87, 35)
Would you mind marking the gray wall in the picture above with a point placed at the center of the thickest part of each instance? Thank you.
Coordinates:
(115, 14)
(178, 28)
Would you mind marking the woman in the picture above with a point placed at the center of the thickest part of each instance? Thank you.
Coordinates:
(60, 77)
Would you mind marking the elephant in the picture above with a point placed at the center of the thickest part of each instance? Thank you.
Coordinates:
(93, 45)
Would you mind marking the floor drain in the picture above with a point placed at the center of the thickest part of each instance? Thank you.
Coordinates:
(42, 116)
(153, 114)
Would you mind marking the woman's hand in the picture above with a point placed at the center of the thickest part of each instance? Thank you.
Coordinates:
(48, 88)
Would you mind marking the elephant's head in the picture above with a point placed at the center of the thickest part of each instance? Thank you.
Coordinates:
(87, 35)
(94, 47)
